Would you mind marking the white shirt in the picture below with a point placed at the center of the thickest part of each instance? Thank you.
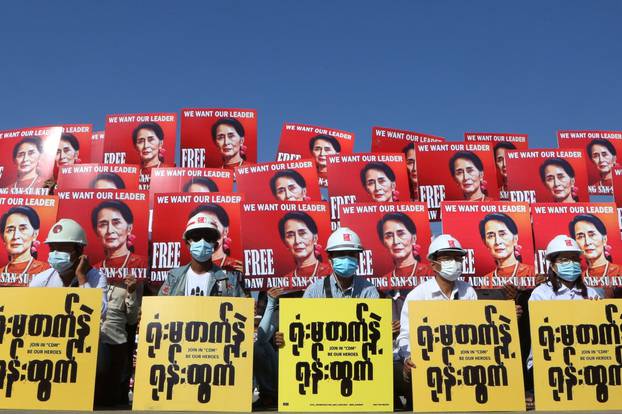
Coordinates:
(428, 290)
(196, 284)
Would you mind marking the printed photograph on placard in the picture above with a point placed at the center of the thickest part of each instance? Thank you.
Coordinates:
(98, 177)
(284, 244)
(617, 190)
(169, 249)
(144, 139)
(316, 142)
(27, 159)
(218, 137)
(189, 180)
(595, 228)
(498, 239)
(116, 226)
(396, 140)
(75, 145)
(600, 149)
(455, 171)
(97, 147)
(547, 176)
(361, 178)
(279, 181)
(25, 221)
(396, 237)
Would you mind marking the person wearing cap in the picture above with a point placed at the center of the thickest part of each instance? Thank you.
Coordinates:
(201, 277)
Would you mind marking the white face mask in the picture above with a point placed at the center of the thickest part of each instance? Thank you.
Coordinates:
(451, 270)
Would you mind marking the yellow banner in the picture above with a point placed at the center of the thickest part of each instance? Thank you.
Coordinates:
(195, 354)
(337, 355)
(467, 356)
(577, 354)
(48, 347)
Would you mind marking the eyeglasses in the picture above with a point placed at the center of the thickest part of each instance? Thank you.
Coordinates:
(566, 260)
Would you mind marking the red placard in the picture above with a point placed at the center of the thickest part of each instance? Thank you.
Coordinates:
(600, 148)
(395, 237)
(498, 239)
(97, 147)
(25, 222)
(595, 228)
(168, 247)
(279, 181)
(98, 177)
(617, 190)
(218, 137)
(75, 145)
(455, 171)
(547, 175)
(397, 140)
(304, 141)
(362, 178)
(189, 180)
(27, 158)
(292, 260)
(115, 222)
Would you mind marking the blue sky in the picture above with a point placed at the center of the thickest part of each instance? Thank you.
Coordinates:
(441, 67)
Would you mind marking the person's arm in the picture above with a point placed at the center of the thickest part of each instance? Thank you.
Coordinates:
(165, 289)
(131, 300)
(403, 338)
(267, 326)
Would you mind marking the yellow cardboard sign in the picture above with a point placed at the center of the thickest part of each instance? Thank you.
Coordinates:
(195, 354)
(467, 356)
(337, 355)
(48, 347)
(577, 354)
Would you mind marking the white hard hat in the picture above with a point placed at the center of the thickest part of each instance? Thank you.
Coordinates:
(445, 243)
(66, 231)
(562, 244)
(343, 239)
(203, 222)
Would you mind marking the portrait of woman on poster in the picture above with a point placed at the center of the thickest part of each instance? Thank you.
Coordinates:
(228, 136)
(299, 233)
(411, 165)
(604, 156)
(499, 234)
(20, 229)
(398, 234)
(222, 255)
(148, 139)
(558, 177)
(107, 181)
(378, 180)
(467, 170)
(200, 185)
(27, 157)
(68, 152)
(591, 235)
(321, 146)
(289, 185)
(113, 223)
(499, 151)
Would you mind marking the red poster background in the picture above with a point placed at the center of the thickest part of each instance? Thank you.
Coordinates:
(81, 176)
(267, 260)
(436, 183)
(79, 204)
(168, 247)
(524, 182)
(296, 138)
(376, 262)
(254, 180)
(46, 208)
(462, 219)
(551, 219)
(196, 135)
(174, 179)
(97, 147)
(581, 139)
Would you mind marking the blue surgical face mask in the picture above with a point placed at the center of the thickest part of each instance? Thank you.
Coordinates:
(60, 261)
(201, 250)
(569, 271)
(345, 266)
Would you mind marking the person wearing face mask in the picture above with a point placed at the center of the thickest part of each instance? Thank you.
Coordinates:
(202, 277)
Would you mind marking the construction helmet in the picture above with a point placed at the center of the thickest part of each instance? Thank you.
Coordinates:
(343, 239)
(562, 244)
(201, 221)
(66, 231)
(445, 243)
